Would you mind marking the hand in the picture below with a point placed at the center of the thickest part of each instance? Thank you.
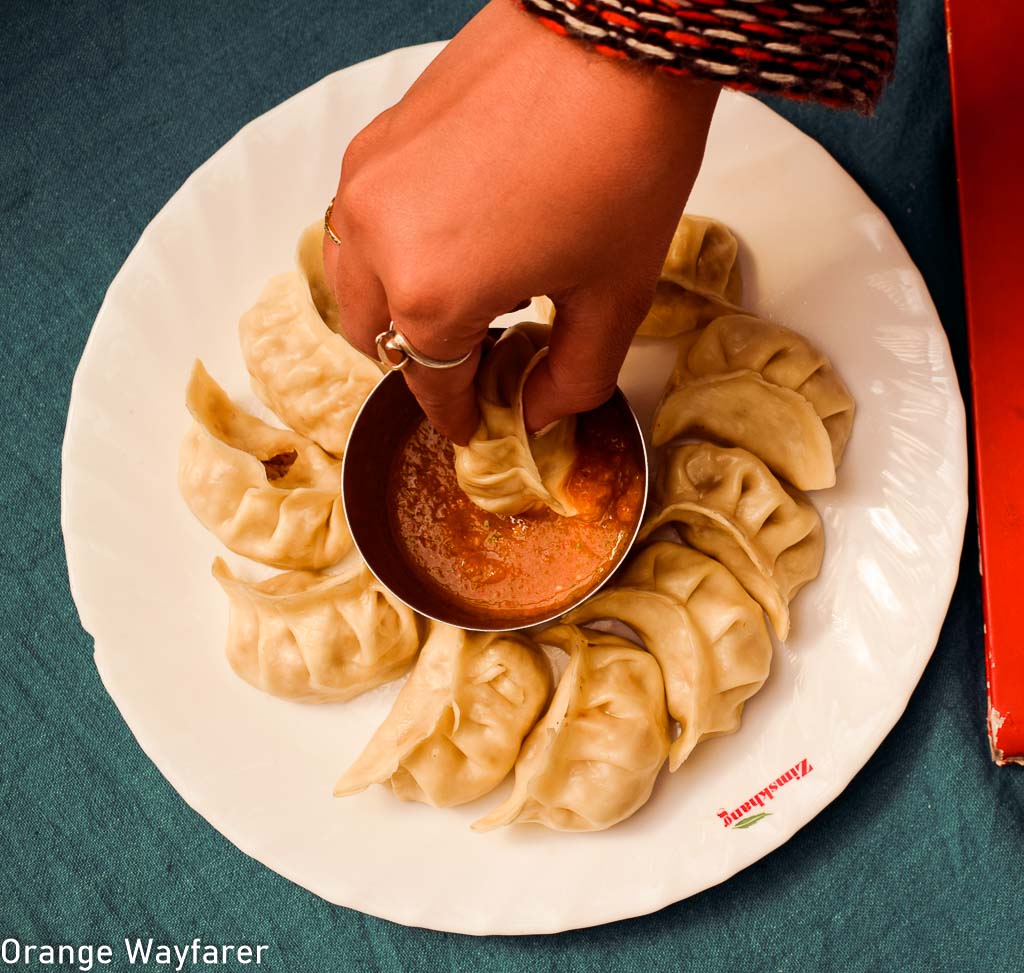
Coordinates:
(519, 163)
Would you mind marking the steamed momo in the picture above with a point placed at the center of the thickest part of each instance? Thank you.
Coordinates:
(728, 504)
(751, 383)
(456, 727)
(317, 637)
(309, 256)
(706, 632)
(592, 760)
(699, 280)
(503, 469)
(308, 375)
(268, 494)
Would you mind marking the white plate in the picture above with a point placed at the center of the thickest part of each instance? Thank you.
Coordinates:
(817, 256)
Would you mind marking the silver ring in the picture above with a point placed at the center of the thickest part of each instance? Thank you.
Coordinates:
(396, 343)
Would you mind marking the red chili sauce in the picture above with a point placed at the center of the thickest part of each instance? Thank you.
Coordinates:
(500, 567)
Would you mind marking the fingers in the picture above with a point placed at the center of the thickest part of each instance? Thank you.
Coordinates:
(362, 303)
(591, 336)
(448, 396)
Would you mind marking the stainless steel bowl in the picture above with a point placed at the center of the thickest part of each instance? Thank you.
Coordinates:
(386, 418)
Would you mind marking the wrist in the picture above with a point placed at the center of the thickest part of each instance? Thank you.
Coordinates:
(671, 103)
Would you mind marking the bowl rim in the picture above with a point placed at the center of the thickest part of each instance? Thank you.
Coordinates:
(497, 625)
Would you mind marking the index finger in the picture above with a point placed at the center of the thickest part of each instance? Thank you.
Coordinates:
(447, 395)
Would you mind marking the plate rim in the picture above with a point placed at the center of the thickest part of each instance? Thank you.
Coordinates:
(483, 922)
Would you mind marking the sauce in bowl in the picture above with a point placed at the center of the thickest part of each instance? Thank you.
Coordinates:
(500, 566)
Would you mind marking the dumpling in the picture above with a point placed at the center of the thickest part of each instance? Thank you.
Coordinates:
(308, 375)
(699, 280)
(751, 383)
(309, 256)
(783, 358)
(592, 760)
(456, 727)
(706, 632)
(317, 637)
(728, 504)
(543, 309)
(503, 469)
(268, 494)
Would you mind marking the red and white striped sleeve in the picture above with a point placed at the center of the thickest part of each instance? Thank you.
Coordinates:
(839, 52)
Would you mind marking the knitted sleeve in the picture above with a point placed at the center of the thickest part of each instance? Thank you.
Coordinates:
(839, 52)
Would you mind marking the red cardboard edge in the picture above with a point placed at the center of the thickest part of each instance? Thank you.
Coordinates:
(987, 83)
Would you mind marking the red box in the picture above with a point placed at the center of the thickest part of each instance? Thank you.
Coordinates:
(986, 60)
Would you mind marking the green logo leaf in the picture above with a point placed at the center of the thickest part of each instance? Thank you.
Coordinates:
(751, 821)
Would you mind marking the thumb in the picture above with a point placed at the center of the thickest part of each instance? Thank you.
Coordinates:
(589, 340)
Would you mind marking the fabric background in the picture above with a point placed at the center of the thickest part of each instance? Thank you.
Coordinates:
(105, 108)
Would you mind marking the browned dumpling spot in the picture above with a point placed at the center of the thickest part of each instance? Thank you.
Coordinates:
(266, 493)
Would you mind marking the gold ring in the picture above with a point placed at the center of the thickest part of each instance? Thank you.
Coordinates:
(328, 229)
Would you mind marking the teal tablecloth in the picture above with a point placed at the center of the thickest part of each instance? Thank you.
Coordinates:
(105, 108)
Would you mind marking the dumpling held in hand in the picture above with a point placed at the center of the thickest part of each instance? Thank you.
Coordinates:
(503, 469)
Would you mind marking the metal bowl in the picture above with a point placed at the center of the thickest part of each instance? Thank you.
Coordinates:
(380, 428)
